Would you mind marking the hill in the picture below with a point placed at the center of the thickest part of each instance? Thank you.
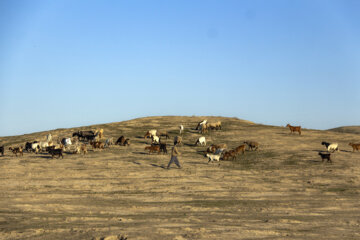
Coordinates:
(283, 190)
(347, 129)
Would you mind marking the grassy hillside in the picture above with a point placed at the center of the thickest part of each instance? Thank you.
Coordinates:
(347, 129)
(281, 191)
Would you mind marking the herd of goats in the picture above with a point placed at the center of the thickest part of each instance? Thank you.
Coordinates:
(80, 140)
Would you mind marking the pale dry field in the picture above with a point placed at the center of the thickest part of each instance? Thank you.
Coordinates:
(282, 191)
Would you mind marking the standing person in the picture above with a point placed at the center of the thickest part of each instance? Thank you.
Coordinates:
(174, 157)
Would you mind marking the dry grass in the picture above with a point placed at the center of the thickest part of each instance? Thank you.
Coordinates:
(281, 191)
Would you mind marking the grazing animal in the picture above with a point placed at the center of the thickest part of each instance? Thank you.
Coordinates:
(203, 128)
(83, 149)
(31, 146)
(325, 156)
(66, 142)
(177, 140)
(120, 141)
(229, 154)
(162, 147)
(99, 145)
(163, 134)
(16, 150)
(294, 128)
(213, 157)
(252, 145)
(214, 147)
(127, 142)
(83, 135)
(200, 124)
(201, 141)
(153, 148)
(155, 139)
(109, 142)
(214, 126)
(331, 147)
(239, 149)
(355, 146)
(44, 145)
(181, 129)
(56, 152)
(150, 133)
(100, 133)
(2, 149)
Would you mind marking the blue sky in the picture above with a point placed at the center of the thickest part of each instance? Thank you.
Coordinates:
(75, 63)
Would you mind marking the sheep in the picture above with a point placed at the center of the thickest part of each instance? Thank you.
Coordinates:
(177, 140)
(155, 139)
(201, 141)
(213, 157)
(2, 149)
(331, 147)
(181, 129)
(150, 133)
(355, 146)
(325, 156)
(153, 148)
(16, 150)
(294, 128)
(201, 123)
(252, 145)
(109, 142)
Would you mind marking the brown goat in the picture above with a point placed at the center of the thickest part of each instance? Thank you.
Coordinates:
(214, 147)
(355, 146)
(229, 154)
(99, 145)
(153, 148)
(16, 150)
(83, 149)
(294, 128)
(239, 149)
(252, 145)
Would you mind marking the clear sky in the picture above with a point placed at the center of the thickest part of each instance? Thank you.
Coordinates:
(75, 63)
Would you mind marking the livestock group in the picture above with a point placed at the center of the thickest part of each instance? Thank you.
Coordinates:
(80, 141)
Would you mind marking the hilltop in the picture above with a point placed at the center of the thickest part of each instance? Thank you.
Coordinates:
(283, 190)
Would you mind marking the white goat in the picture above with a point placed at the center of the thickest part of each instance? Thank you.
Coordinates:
(213, 157)
(201, 141)
(155, 139)
(181, 127)
(333, 147)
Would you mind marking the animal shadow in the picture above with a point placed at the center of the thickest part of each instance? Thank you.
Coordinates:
(142, 153)
(159, 166)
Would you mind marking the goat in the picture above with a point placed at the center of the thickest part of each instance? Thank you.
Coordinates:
(239, 149)
(201, 123)
(109, 142)
(181, 129)
(331, 147)
(155, 139)
(120, 141)
(355, 146)
(214, 147)
(100, 132)
(229, 154)
(215, 125)
(2, 149)
(16, 150)
(162, 147)
(325, 156)
(252, 145)
(201, 141)
(150, 133)
(294, 128)
(203, 128)
(31, 146)
(83, 135)
(56, 152)
(177, 140)
(83, 149)
(213, 157)
(163, 134)
(99, 145)
(153, 148)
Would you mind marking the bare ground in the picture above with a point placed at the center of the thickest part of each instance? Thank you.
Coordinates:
(282, 191)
